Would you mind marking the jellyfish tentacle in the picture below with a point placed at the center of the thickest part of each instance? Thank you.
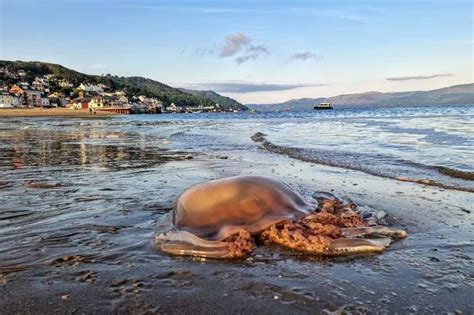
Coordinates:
(370, 231)
(349, 246)
(187, 244)
(300, 238)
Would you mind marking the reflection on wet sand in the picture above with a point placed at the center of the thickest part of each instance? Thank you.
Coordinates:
(40, 148)
(61, 191)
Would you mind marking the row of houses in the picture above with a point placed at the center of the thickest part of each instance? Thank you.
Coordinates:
(49, 91)
(42, 91)
(17, 97)
(95, 102)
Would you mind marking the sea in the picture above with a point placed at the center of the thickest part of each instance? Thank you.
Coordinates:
(430, 144)
(434, 144)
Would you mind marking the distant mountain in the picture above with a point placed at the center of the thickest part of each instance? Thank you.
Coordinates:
(291, 105)
(453, 95)
(223, 101)
(133, 86)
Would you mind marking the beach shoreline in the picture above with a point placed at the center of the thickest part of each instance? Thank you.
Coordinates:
(52, 112)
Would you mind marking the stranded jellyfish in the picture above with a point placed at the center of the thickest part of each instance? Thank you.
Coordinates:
(225, 218)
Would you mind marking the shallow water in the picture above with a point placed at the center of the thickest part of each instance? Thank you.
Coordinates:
(90, 237)
(417, 143)
(434, 144)
(408, 142)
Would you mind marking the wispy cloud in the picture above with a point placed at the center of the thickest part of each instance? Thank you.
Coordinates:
(343, 14)
(257, 49)
(419, 77)
(248, 87)
(252, 53)
(245, 58)
(237, 10)
(304, 56)
(234, 43)
(239, 43)
(184, 7)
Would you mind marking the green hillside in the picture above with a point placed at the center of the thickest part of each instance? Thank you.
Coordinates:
(133, 86)
(223, 101)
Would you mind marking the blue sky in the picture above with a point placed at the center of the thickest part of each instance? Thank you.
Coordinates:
(254, 51)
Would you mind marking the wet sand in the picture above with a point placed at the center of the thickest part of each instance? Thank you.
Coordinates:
(47, 112)
(85, 245)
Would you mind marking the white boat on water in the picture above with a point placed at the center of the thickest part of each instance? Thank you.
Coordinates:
(323, 106)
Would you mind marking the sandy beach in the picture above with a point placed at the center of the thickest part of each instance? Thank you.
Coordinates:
(86, 244)
(50, 112)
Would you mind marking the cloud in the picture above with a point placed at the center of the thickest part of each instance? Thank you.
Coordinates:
(304, 56)
(239, 43)
(252, 53)
(342, 13)
(248, 87)
(419, 77)
(257, 49)
(351, 13)
(234, 43)
(245, 58)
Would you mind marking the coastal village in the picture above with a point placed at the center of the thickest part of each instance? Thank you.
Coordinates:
(48, 91)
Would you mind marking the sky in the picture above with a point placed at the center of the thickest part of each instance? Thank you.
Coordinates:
(254, 51)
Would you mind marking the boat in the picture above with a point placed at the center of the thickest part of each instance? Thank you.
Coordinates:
(323, 106)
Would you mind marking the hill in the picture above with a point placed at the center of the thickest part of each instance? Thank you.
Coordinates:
(223, 101)
(453, 95)
(132, 86)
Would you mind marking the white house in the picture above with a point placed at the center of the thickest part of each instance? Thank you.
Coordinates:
(100, 102)
(64, 83)
(172, 108)
(45, 102)
(9, 101)
(90, 88)
(24, 85)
